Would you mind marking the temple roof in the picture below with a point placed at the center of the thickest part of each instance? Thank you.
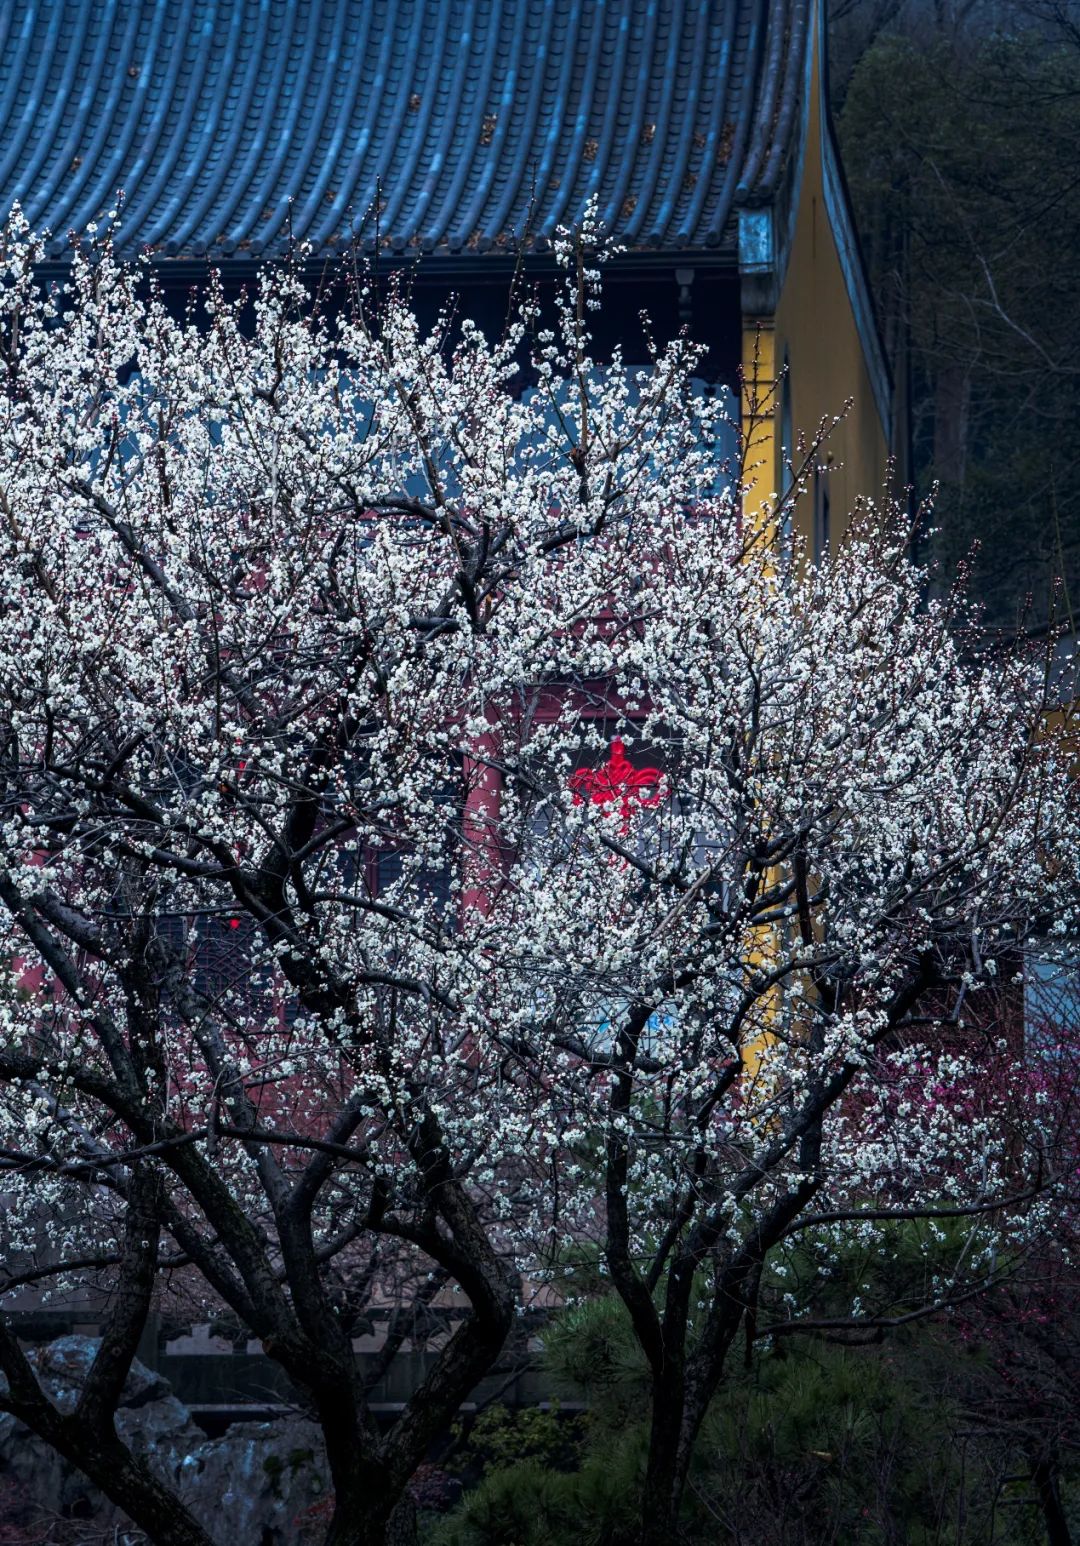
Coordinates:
(481, 123)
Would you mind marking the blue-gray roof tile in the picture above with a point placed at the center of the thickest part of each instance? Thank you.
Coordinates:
(232, 124)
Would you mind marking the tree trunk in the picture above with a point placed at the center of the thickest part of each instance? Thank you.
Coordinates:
(665, 1474)
(125, 1480)
(660, 1505)
(401, 1529)
(951, 412)
(374, 1515)
(1044, 1475)
(681, 1397)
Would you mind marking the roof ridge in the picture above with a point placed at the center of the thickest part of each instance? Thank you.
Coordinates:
(230, 125)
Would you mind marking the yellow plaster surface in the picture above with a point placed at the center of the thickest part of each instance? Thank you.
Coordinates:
(815, 332)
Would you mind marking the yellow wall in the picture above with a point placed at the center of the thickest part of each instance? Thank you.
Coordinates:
(814, 330)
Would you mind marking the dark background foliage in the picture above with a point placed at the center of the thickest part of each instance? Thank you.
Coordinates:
(958, 1430)
(959, 123)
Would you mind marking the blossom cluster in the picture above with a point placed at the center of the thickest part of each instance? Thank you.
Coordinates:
(308, 627)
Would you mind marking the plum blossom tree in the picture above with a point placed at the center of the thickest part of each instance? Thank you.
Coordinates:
(584, 876)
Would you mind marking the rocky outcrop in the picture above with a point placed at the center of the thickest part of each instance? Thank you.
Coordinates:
(260, 1484)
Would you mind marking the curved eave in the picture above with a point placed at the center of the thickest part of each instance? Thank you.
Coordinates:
(235, 127)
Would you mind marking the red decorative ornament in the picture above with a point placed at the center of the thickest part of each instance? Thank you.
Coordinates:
(618, 782)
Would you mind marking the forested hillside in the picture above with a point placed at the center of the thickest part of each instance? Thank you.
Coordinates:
(959, 123)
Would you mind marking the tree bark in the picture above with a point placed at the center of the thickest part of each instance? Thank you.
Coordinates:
(125, 1481)
(87, 1438)
(665, 1475)
(374, 1516)
(951, 411)
(1044, 1476)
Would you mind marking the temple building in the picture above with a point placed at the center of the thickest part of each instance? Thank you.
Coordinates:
(454, 136)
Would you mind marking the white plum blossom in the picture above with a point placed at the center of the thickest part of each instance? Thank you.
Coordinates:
(437, 833)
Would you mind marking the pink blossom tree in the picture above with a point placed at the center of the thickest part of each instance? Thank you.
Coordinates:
(585, 876)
